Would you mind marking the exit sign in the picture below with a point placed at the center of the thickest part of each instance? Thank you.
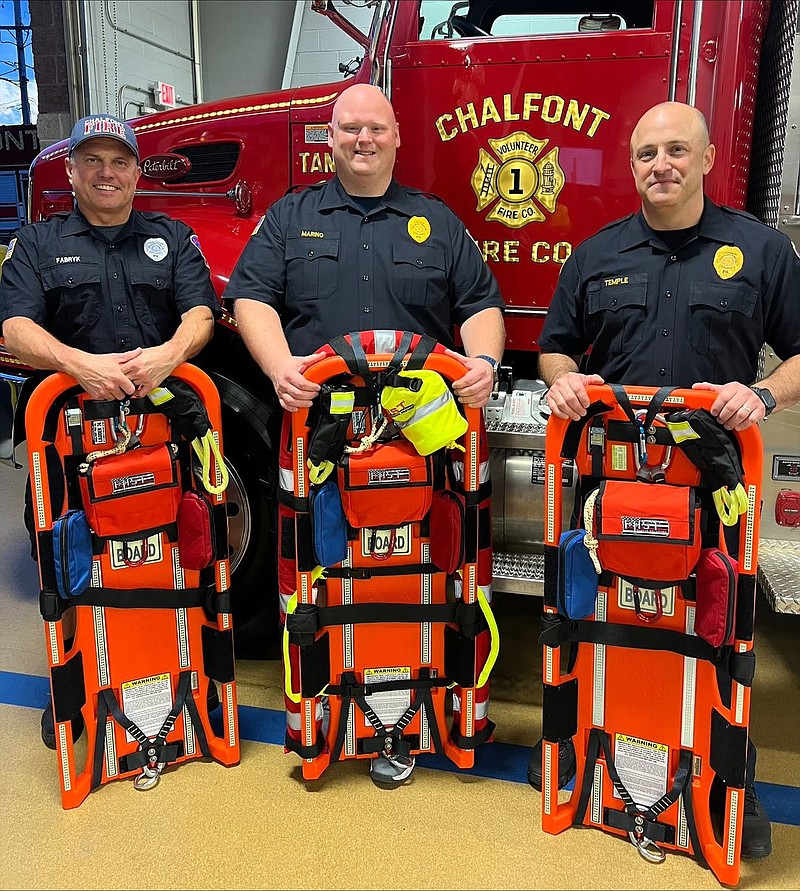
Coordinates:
(165, 95)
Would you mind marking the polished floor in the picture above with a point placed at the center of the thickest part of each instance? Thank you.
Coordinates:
(259, 825)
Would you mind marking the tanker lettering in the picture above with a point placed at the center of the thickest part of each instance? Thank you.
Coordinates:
(316, 162)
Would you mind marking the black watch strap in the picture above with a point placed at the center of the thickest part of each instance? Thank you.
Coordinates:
(766, 397)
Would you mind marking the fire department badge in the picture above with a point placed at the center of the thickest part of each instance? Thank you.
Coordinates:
(518, 181)
(419, 229)
(728, 260)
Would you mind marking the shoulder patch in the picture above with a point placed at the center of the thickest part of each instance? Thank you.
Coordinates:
(196, 242)
(259, 224)
(9, 249)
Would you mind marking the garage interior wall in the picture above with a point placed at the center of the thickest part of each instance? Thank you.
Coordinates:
(243, 45)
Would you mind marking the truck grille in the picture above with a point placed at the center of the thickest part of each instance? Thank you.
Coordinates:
(210, 163)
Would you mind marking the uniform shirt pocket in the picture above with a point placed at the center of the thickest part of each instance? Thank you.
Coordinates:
(419, 274)
(617, 309)
(152, 294)
(712, 309)
(311, 268)
(73, 296)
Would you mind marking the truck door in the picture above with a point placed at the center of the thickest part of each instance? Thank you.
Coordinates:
(519, 115)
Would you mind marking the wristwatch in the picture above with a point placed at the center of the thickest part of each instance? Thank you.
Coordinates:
(493, 362)
(766, 397)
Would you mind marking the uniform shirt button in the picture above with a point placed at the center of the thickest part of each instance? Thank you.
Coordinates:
(70, 280)
(668, 293)
(723, 303)
(311, 253)
(365, 220)
(419, 262)
(662, 372)
(119, 309)
(365, 246)
(366, 278)
(665, 332)
(115, 275)
(111, 247)
(158, 282)
(366, 309)
(614, 302)
(673, 258)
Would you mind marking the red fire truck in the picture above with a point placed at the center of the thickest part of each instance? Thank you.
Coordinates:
(518, 114)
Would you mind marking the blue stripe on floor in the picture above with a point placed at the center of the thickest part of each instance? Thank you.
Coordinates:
(498, 761)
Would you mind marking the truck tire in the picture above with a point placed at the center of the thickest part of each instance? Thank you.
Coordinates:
(251, 463)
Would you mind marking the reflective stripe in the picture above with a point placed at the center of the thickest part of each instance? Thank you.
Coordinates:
(483, 471)
(293, 718)
(481, 709)
(386, 340)
(343, 403)
(422, 411)
(286, 479)
(682, 431)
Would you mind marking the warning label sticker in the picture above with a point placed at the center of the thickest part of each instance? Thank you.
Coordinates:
(642, 766)
(388, 705)
(147, 702)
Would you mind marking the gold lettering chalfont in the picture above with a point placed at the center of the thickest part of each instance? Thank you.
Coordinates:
(552, 109)
(619, 280)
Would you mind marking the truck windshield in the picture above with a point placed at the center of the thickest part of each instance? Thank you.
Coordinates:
(442, 19)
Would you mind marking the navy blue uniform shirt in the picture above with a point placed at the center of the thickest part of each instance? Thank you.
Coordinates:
(102, 295)
(655, 316)
(328, 268)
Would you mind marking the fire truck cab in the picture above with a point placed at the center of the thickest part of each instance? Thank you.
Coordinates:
(517, 113)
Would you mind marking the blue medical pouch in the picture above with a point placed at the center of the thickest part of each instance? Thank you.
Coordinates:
(328, 524)
(577, 579)
(72, 553)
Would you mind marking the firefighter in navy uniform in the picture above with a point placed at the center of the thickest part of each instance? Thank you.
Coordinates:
(116, 298)
(356, 253)
(683, 293)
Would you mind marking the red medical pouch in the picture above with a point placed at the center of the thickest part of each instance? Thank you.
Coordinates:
(195, 531)
(648, 533)
(387, 485)
(133, 493)
(447, 530)
(715, 608)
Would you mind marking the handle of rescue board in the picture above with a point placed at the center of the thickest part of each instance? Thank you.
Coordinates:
(330, 366)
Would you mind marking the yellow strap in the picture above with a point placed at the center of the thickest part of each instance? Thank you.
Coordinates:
(204, 447)
(494, 647)
(291, 606)
(730, 505)
(318, 473)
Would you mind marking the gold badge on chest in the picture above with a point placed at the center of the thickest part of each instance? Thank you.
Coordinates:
(419, 229)
(728, 260)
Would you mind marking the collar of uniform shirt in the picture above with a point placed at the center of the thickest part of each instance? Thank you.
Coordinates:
(714, 226)
(76, 223)
(394, 197)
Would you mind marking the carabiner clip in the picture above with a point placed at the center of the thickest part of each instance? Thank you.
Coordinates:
(647, 848)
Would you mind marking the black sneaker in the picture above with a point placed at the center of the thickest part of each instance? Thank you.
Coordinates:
(756, 830)
(566, 764)
(49, 726)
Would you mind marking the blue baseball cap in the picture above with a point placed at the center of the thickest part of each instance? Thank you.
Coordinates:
(105, 125)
